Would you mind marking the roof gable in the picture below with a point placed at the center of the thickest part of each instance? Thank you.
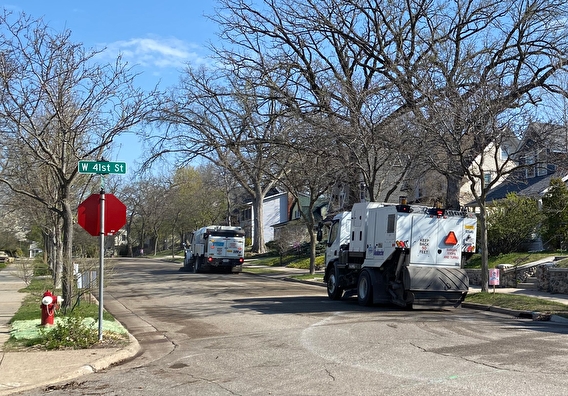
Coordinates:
(532, 187)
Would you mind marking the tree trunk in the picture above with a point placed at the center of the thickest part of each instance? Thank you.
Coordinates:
(453, 190)
(47, 257)
(313, 240)
(58, 254)
(313, 243)
(67, 255)
(258, 225)
(173, 247)
(142, 239)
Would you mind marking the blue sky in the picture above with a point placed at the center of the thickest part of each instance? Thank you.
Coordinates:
(159, 37)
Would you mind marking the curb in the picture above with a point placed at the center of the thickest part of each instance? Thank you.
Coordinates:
(121, 355)
(308, 282)
(128, 352)
(506, 311)
(558, 319)
(535, 316)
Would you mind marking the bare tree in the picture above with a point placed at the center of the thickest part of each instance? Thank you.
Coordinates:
(370, 63)
(199, 198)
(57, 106)
(314, 169)
(469, 89)
(131, 196)
(152, 222)
(315, 61)
(222, 118)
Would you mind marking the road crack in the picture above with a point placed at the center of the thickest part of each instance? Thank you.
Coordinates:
(329, 374)
(469, 360)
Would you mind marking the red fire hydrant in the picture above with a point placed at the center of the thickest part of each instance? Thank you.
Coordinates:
(49, 303)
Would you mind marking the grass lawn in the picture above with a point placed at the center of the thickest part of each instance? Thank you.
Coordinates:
(518, 302)
(260, 271)
(511, 258)
(76, 328)
(290, 261)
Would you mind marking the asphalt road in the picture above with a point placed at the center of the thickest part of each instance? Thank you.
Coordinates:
(242, 334)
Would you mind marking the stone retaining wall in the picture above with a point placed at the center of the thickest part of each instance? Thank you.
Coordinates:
(511, 276)
(549, 278)
(508, 278)
(474, 276)
(552, 280)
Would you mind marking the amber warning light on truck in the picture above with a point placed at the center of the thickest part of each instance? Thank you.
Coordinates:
(438, 212)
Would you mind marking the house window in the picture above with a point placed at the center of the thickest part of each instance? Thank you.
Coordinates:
(541, 163)
(531, 171)
(504, 151)
(296, 214)
(245, 214)
(487, 177)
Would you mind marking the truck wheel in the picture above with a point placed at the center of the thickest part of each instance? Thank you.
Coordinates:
(334, 292)
(365, 289)
(188, 264)
(196, 264)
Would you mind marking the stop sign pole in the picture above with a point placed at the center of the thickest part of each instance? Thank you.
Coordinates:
(101, 261)
(85, 217)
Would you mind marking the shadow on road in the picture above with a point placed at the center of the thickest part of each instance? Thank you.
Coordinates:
(303, 304)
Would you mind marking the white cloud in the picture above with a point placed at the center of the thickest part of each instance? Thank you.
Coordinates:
(154, 52)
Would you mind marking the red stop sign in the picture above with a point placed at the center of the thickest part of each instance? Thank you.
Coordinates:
(89, 214)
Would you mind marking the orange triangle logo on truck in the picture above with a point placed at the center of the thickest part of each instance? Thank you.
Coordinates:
(451, 239)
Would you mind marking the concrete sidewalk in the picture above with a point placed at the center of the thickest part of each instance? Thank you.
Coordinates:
(20, 371)
(10, 301)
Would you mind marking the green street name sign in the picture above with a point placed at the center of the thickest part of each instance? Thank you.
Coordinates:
(102, 168)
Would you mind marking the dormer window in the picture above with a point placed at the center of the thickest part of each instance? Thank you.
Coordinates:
(504, 152)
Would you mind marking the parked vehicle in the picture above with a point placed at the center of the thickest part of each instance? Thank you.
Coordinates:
(5, 257)
(409, 255)
(215, 247)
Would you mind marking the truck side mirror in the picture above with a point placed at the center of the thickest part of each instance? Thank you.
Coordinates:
(319, 235)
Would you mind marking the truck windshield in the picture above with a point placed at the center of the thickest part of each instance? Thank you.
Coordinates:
(333, 233)
(226, 233)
